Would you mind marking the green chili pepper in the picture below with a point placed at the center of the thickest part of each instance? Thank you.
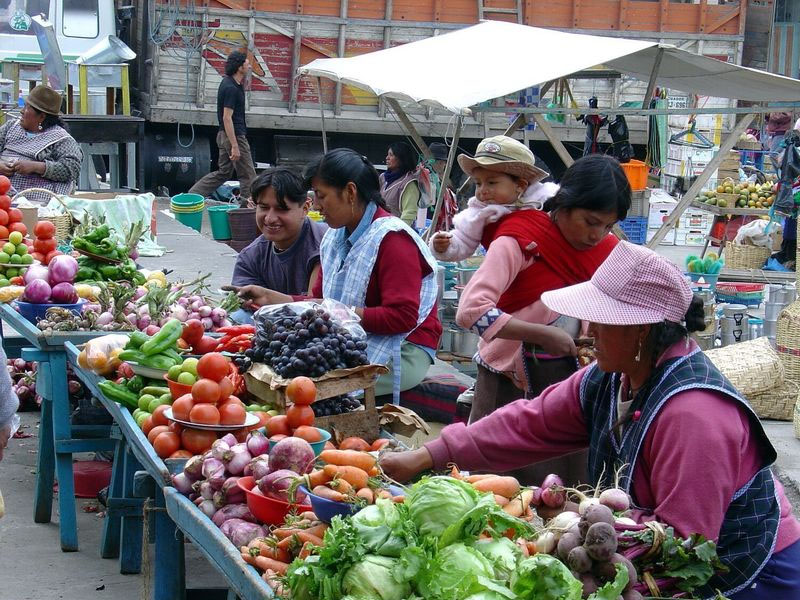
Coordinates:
(164, 339)
(98, 234)
(135, 356)
(154, 390)
(119, 393)
(135, 384)
(158, 361)
(136, 340)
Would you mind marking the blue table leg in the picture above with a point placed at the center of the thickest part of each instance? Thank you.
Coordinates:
(170, 563)
(46, 461)
(62, 430)
(109, 543)
(130, 560)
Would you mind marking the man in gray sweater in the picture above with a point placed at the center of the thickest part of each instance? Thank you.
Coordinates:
(8, 403)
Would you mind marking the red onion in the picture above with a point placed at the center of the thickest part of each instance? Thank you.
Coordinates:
(553, 497)
(37, 292)
(64, 293)
(220, 448)
(536, 500)
(240, 532)
(208, 508)
(214, 472)
(229, 439)
(193, 468)
(233, 511)
(259, 467)
(204, 489)
(35, 272)
(62, 269)
(257, 443)
(236, 459)
(276, 485)
(182, 483)
(231, 492)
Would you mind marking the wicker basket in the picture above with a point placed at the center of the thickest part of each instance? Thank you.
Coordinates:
(753, 367)
(787, 340)
(777, 403)
(797, 418)
(63, 223)
(740, 256)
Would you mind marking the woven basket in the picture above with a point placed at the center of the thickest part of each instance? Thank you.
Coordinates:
(63, 223)
(777, 403)
(797, 418)
(740, 256)
(753, 367)
(787, 340)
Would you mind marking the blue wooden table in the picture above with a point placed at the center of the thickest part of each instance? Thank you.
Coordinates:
(58, 439)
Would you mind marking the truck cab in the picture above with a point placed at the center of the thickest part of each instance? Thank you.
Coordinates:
(78, 24)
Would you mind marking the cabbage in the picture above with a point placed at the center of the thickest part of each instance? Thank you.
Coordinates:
(502, 553)
(544, 577)
(456, 572)
(378, 525)
(372, 579)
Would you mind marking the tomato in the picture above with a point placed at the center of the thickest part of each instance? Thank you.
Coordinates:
(262, 419)
(44, 230)
(301, 391)
(181, 454)
(147, 424)
(205, 391)
(232, 414)
(5, 184)
(50, 256)
(44, 245)
(307, 433)
(299, 415)
(175, 428)
(225, 388)
(15, 216)
(230, 400)
(155, 431)
(158, 415)
(197, 441)
(3, 232)
(213, 366)
(354, 443)
(277, 437)
(182, 406)
(3, 217)
(277, 425)
(18, 226)
(379, 443)
(5, 201)
(36, 255)
(16, 281)
(166, 443)
(204, 414)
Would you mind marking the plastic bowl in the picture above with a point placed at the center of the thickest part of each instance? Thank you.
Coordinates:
(267, 510)
(327, 509)
(177, 389)
(36, 312)
(318, 447)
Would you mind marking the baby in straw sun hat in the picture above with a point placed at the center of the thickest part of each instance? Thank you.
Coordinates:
(506, 180)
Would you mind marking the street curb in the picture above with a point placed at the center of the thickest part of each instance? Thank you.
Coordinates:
(791, 487)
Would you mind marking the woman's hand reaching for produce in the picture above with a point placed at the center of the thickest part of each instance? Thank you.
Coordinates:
(254, 296)
(402, 466)
(441, 241)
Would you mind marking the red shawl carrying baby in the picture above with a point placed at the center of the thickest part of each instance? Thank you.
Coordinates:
(557, 264)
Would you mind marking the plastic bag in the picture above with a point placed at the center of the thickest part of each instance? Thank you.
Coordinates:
(790, 172)
(755, 234)
(101, 355)
(275, 314)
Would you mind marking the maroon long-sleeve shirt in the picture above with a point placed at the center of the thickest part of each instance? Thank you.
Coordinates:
(392, 300)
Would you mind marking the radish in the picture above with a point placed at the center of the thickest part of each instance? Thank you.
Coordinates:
(546, 542)
(292, 453)
(615, 499)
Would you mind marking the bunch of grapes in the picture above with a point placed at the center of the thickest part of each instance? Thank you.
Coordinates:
(309, 344)
(335, 406)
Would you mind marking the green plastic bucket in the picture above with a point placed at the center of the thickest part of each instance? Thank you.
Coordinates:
(191, 219)
(187, 200)
(218, 216)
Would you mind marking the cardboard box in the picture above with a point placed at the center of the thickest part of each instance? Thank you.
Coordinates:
(690, 238)
(695, 221)
(659, 211)
(669, 239)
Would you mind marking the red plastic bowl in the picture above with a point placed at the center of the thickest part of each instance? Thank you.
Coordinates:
(177, 389)
(268, 510)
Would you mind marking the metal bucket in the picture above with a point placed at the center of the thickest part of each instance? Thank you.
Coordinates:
(772, 311)
(770, 328)
(108, 51)
(736, 312)
(463, 342)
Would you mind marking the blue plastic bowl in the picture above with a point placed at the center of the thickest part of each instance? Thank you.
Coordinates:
(327, 509)
(318, 447)
(36, 312)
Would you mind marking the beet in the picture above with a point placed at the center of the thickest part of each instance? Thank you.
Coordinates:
(601, 541)
(589, 584)
(595, 513)
(579, 560)
(276, 485)
(567, 542)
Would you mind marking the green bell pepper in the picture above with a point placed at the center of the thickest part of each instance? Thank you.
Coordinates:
(164, 339)
(119, 393)
(135, 384)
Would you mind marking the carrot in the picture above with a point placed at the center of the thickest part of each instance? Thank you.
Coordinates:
(502, 486)
(385, 494)
(500, 500)
(284, 532)
(374, 472)
(318, 477)
(270, 551)
(341, 486)
(352, 458)
(302, 537)
(309, 515)
(318, 530)
(531, 548)
(356, 477)
(249, 558)
(475, 478)
(264, 563)
(305, 551)
(517, 506)
(327, 493)
(367, 494)
(398, 499)
(455, 473)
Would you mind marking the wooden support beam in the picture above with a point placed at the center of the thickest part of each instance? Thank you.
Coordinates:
(451, 157)
(723, 20)
(412, 131)
(201, 76)
(701, 27)
(251, 47)
(298, 36)
(551, 136)
(702, 179)
(387, 42)
(337, 103)
(663, 14)
(322, 116)
(651, 84)
(307, 43)
(515, 125)
(622, 20)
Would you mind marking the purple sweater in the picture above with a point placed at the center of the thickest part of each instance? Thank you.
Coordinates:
(696, 454)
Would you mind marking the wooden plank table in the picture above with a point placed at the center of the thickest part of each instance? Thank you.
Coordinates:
(58, 439)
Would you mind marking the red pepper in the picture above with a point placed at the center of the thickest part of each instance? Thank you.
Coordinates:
(237, 329)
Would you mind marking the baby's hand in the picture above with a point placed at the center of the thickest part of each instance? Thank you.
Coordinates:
(531, 247)
(441, 241)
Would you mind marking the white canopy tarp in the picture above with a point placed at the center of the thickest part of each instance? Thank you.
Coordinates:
(463, 68)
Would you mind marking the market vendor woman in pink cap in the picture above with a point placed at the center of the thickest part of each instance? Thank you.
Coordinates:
(690, 450)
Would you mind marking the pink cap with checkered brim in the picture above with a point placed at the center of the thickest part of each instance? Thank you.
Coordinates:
(633, 286)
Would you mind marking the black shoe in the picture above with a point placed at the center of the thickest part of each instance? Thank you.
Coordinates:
(102, 496)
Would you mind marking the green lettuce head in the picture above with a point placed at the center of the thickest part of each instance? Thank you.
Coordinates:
(373, 579)
(456, 571)
(502, 553)
(544, 577)
(380, 527)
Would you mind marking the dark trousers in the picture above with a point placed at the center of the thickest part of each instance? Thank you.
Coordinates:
(244, 168)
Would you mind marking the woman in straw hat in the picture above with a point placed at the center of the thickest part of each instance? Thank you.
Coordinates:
(688, 448)
(36, 151)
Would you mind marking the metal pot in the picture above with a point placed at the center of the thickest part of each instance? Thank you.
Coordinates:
(772, 311)
(736, 312)
(770, 328)
(463, 342)
(464, 274)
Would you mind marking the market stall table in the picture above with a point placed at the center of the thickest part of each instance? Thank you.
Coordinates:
(58, 439)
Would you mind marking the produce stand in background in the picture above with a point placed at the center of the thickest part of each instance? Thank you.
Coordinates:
(58, 439)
